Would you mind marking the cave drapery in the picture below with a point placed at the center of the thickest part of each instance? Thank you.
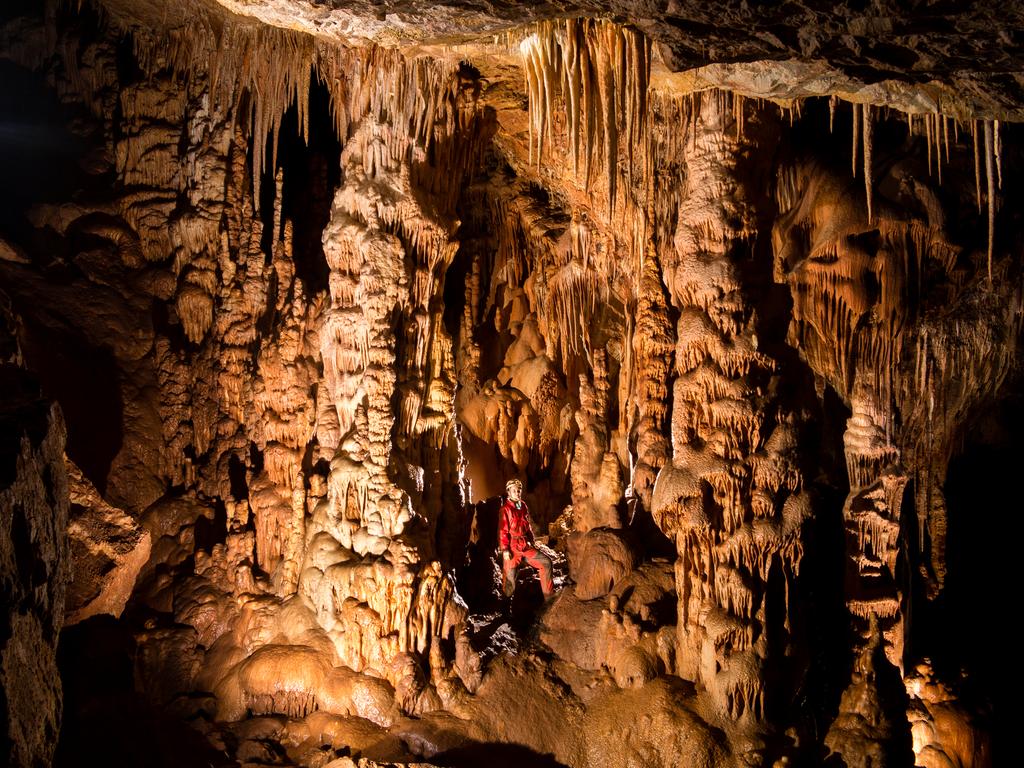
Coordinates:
(289, 290)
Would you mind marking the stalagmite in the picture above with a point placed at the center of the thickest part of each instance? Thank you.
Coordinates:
(721, 570)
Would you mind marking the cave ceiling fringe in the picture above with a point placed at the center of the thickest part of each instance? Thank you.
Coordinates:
(275, 68)
(598, 74)
(602, 71)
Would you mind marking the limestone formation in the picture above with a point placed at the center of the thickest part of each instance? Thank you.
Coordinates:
(34, 557)
(108, 550)
(943, 732)
(290, 290)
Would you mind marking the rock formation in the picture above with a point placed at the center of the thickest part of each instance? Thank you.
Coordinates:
(288, 291)
(34, 555)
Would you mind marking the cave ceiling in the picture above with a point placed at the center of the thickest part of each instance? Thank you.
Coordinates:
(960, 59)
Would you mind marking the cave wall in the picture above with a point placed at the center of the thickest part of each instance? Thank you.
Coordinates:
(309, 306)
(34, 556)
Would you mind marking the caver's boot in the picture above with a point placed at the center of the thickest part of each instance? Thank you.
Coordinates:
(508, 581)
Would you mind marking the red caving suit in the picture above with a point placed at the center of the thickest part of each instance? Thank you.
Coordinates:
(516, 535)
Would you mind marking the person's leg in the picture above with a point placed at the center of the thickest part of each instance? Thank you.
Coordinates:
(508, 575)
(542, 563)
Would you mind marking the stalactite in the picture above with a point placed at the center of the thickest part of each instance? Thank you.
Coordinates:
(572, 88)
(991, 191)
(269, 69)
(868, 180)
(945, 136)
(977, 163)
(603, 72)
(998, 149)
(926, 119)
(542, 68)
(738, 113)
(856, 138)
(610, 111)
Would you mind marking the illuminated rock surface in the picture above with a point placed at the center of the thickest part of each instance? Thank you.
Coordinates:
(289, 290)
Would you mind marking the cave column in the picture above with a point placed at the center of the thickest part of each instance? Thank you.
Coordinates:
(386, 397)
(871, 520)
(730, 498)
(363, 510)
(652, 362)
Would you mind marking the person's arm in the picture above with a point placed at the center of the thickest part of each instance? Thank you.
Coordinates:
(529, 524)
(503, 532)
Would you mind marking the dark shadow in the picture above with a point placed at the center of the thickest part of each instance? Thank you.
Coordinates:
(475, 579)
(312, 171)
(85, 380)
(37, 152)
(236, 475)
(958, 630)
(24, 411)
(495, 755)
(642, 527)
(105, 721)
(209, 533)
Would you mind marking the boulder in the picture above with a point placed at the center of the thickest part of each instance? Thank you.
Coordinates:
(598, 559)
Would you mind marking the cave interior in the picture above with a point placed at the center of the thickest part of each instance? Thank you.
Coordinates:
(290, 290)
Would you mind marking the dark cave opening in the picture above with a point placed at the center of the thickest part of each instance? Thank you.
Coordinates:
(212, 531)
(237, 477)
(107, 718)
(85, 380)
(958, 630)
(39, 153)
(821, 628)
(311, 171)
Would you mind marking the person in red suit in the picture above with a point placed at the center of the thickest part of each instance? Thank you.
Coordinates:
(515, 539)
